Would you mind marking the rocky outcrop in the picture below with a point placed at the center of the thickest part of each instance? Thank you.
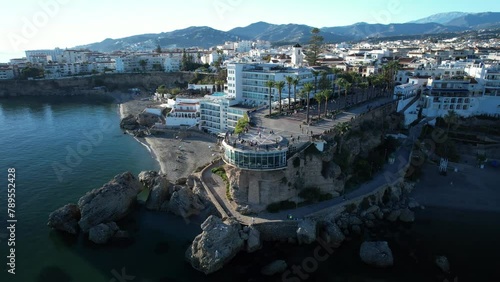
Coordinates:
(376, 253)
(160, 189)
(65, 219)
(218, 243)
(407, 215)
(101, 233)
(332, 234)
(147, 119)
(185, 203)
(306, 231)
(110, 202)
(443, 263)
(129, 123)
(277, 266)
(253, 243)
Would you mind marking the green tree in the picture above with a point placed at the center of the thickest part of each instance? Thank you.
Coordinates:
(315, 47)
(388, 72)
(270, 85)
(158, 48)
(324, 83)
(343, 83)
(143, 64)
(315, 73)
(450, 118)
(289, 81)
(279, 85)
(162, 89)
(308, 87)
(341, 128)
(326, 94)
(319, 97)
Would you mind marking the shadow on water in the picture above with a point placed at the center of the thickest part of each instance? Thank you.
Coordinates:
(53, 273)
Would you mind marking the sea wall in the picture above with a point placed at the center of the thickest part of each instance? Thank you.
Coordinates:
(277, 230)
(146, 82)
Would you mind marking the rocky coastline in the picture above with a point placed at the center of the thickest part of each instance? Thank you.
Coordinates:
(97, 212)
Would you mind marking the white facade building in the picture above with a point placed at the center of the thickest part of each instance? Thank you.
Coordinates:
(6, 71)
(246, 82)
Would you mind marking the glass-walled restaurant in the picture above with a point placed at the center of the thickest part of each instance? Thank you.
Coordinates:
(253, 159)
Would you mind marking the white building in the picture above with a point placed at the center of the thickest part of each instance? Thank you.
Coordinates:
(6, 71)
(246, 82)
(33, 56)
(220, 112)
(185, 112)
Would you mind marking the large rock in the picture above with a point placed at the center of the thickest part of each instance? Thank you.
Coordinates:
(306, 231)
(160, 189)
(277, 266)
(65, 219)
(110, 202)
(217, 244)
(185, 203)
(376, 253)
(443, 263)
(393, 215)
(101, 233)
(407, 215)
(253, 242)
(412, 203)
(147, 119)
(129, 122)
(333, 235)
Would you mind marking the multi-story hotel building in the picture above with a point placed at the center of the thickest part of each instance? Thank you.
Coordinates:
(246, 82)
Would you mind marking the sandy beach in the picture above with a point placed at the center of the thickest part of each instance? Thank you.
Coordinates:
(179, 153)
(471, 188)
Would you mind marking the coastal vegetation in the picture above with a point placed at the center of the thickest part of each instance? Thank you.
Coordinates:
(241, 124)
(220, 171)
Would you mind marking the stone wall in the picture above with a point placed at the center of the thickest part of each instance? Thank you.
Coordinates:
(147, 82)
(277, 231)
(304, 170)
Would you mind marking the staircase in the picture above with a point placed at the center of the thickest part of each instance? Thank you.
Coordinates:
(410, 103)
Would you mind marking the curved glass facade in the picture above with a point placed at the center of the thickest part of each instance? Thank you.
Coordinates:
(253, 159)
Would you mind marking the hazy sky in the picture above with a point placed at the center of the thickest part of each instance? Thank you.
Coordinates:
(46, 24)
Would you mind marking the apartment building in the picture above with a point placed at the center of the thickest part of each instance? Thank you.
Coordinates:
(6, 71)
(246, 82)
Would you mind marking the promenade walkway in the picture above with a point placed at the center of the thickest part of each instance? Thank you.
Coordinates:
(388, 174)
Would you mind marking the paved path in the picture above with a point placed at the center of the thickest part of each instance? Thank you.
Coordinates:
(388, 174)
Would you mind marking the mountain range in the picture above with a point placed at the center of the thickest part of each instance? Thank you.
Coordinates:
(280, 34)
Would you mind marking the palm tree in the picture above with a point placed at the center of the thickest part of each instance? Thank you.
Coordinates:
(279, 85)
(308, 87)
(319, 97)
(342, 82)
(315, 73)
(450, 118)
(289, 81)
(269, 84)
(326, 94)
(341, 129)
(295, 82)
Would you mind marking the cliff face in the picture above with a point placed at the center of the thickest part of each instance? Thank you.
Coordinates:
(307, 169)
(85, 85)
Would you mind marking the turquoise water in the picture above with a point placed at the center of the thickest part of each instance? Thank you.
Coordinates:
(218, 94)
(60, 150)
